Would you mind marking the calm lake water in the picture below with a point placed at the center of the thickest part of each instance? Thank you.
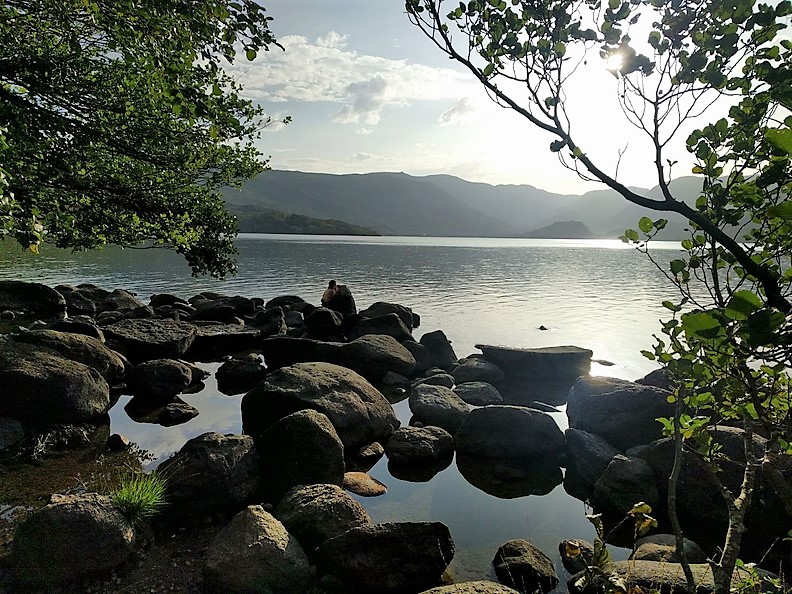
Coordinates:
(597, 294)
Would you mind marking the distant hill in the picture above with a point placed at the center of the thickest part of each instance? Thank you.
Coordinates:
(252, 219)
(561, 230)
(443, 205)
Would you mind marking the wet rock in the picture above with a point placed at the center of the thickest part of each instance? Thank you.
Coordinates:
(363, 484)
(662, 547)
(441, 353)
(159, 379)
(78, 537)
(143, 340)
(588, 456)
(477, 587)
(43, 388)
(623, 413)
(358, 411)
(239, 375)
(315, 513)
(302, 448)
(211, 474)
(32, 300)
(419, 445)
(214, 341)
(478, 393)
(477, 369)
(521, 565)
(547, 362)
(438, 406)
(388, 324)
(387, 558)
(255, 553)
(625, 482)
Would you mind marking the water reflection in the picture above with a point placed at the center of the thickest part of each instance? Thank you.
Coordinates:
(508, 479)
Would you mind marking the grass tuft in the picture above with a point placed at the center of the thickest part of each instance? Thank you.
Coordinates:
(139, 496)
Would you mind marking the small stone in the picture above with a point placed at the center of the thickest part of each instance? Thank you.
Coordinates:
(364, 485)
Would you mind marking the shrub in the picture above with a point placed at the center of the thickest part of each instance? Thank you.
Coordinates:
(139, 496)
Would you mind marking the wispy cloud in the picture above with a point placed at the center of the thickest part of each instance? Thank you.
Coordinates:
(459, 113)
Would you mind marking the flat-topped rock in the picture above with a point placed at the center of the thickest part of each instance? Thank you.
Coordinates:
(544, 362)
(143, 340)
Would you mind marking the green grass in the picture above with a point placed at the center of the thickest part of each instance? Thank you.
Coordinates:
(139, 496)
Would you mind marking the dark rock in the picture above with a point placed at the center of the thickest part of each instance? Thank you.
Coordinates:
(160, 299)
(211, 474)
(509, 478)
(381, 308)
(285, 301)
(419, 445)
(76, 303)
(441, 353)
(625, 482)
(223, 309)
(214, 341)
(477, 587)
(7, 315)
(657, 378)
(78, 537)
(168, 414)
(236, 376)
(369, 455)
(302, 448)
(476, 369)
(271, 322)
(43, 388)
(576, 554)
(662, 547)
(521, 565)
(143, 340)
(623, 413)
(547, 362)
(159, 379)
(79, 326)
(255, 553)
(343, 302)
(587, 457)
(324, 323)
(117, 443)
(315, 513)
(374, 355)
(294, 319)
(357, 410)
(11, 433)
(387, 558)
(363, 484)
(388, 324)
(139, 313)
(438, 406)
(78, 347)
(391, 378)
(478, 393)
(421, 354)
(32, 300)
(437, 379)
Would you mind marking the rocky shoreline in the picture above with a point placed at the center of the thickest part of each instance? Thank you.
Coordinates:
(319, 385)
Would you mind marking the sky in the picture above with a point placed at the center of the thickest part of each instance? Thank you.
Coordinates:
(367, 92)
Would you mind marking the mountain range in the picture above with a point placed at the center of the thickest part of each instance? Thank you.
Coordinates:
(444, 205)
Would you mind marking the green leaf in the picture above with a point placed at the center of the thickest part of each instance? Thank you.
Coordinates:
(645, 224)
(781, 139)
(742, 304)
(677, 266)
(701, 324)
(614, 4)
(782, 210)
(488, 69)
(631, 234)
(250, 55)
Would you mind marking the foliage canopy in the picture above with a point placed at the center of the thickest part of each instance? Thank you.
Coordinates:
(118, 124)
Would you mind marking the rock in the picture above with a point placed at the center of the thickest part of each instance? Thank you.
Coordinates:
(285, 301)
(421, 354)
(477, 587)
(623, 413)
(144, 311)
(255, 553)
(315, 513)
(272, 322)
(509, 478)
(117, 443)
(510, 432)
(382, 308)
(521, 565)
(79, 325)
(587, 457)
(293, 319)
(343, 302)
(358, 411)
(437, 379)
(369, 455)
(43, 388)
(223, 309)
(374, 355)
(168, 414)
(576, 554)
(438, 406)
(159, 379)
(662, 547)
(657, 378)
(441, 353)
(11, 433)
(78, 537)
(476, 369)
(419, 445)
(103, 301)
(363, 484)
(160, 299)
(78, 347)
(324, 324)
(478, 393)
(302, 448)
(76, 303)
(388, 324)
(387, 558)
(547, 362)
(143, 340)
(211, 474)
(236, 376)
(625, 482)
(32, 300)
(214, 341)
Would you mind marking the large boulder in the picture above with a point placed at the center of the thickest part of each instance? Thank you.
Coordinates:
(314, 513)
(302, 448)
(441, 353)
(143, 340)
(240, 374)
(159, 379)
(214, 341)
(324, 324)
(389, 324)
(272, 322)
(477, 587)
(31, 299)
(478, 393)
(623, 413)
(77, 537)
(419, 445)
(662, 547)
(387, 558)
(521, 565)
(255, 553)
(212, 474)
(545, 362)
(102, 300)
(78, 347)
(223, 309)
(587, 457)
(438, 406)
(477, 369)
(43, 388)
(359, 412)
(381, 308)
(625, 482)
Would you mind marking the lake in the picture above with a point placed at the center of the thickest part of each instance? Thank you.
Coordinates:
(597, 294)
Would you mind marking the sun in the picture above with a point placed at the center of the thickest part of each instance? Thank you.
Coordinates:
(614, 62)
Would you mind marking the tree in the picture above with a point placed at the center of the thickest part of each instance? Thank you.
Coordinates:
(728, 345)
(118, 124)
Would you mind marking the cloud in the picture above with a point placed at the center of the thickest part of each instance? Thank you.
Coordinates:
(325, 70)
(363, 156)
(457, 114)
(363, 131)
